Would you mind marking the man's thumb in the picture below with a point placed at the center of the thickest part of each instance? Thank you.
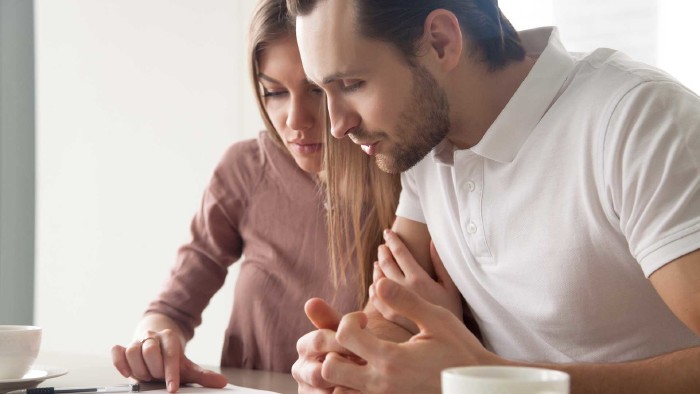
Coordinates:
(322, 315)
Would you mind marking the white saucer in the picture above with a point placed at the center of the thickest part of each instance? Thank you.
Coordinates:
(31, 379)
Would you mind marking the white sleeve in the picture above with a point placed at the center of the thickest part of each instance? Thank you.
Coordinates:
(651, 164)
(409, 203)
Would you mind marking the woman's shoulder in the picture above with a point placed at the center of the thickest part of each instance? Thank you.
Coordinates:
(242, 165)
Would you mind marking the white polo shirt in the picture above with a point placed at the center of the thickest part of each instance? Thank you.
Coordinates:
(586, 183)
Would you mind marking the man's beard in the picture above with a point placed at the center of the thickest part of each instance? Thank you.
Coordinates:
(422, 125)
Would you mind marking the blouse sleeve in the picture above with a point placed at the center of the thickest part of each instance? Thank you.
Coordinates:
(202, 264)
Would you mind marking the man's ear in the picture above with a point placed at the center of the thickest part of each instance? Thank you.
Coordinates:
(442, 38)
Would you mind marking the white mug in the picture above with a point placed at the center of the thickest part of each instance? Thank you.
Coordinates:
(19, 347)
(504, 380)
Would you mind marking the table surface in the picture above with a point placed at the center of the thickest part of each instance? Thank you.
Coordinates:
(93, 370)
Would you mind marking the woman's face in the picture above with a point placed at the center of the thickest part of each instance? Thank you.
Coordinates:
(293, 104)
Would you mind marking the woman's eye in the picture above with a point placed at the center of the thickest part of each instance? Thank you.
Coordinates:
(352, 85)
(317, 90)
(273, 94)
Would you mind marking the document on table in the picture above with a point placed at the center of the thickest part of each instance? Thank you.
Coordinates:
(229, 389)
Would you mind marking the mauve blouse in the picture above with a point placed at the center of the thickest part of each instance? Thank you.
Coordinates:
(262, 206)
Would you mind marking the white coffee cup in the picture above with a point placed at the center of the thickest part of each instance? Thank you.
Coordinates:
(19, 347)
(504, 380)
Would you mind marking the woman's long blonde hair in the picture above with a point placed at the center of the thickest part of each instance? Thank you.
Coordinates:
(362, 202)
(270, 23)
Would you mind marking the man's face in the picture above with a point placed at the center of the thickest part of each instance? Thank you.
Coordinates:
(394, 111)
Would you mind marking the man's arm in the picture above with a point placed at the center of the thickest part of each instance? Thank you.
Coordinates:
(678, 284)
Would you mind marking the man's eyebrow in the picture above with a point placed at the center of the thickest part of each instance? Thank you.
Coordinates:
(341, 75)
(333, 77)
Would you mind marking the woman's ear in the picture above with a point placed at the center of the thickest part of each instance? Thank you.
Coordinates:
(442, 38)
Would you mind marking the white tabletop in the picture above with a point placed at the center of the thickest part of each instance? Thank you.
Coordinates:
(87, 370)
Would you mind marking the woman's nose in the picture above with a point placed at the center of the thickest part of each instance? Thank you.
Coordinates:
(300, 116)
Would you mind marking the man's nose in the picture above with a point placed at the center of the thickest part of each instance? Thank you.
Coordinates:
(343, 121)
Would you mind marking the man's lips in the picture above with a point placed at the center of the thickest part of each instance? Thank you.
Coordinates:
(370, 149)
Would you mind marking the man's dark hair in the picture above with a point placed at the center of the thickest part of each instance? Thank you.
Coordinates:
(400, 22)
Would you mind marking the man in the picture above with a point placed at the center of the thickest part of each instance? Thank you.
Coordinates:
(562, 193)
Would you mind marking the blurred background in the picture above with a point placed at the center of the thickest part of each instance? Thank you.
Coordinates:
(113, 114)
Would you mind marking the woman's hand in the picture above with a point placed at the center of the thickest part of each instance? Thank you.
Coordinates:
(160, 356)
(395, 262)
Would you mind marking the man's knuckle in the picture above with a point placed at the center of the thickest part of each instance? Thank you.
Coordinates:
(316, 378)
(318, 341)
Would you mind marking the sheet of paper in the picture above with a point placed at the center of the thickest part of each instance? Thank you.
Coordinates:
(229, 389)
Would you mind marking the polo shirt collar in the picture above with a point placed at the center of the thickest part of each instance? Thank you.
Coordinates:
(528, 105)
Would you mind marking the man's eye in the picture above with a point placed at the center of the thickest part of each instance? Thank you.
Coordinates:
(351, 85)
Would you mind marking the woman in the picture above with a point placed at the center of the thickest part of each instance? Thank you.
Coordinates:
(265, 201)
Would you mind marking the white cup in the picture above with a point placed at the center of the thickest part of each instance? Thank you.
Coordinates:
(19, 347)
(504, 380)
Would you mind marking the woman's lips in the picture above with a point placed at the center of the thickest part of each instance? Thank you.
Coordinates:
(305, 149)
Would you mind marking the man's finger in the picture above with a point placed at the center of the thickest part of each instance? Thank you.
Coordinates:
(307, 372)
(406, 303)
(321, 314)
(353, 336)
(343, 372)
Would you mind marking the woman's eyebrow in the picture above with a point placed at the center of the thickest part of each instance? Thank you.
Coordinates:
(272, 80)
(269, 79)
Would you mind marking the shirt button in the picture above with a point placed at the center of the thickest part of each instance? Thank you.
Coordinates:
(471, 186)
(471, 228)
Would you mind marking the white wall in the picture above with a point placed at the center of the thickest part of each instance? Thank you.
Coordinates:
(662, 33)
(136, 102)
(679, 39)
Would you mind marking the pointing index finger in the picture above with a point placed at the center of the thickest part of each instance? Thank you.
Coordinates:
(172, 352)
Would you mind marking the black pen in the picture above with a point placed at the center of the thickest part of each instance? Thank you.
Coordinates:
(122, 388)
